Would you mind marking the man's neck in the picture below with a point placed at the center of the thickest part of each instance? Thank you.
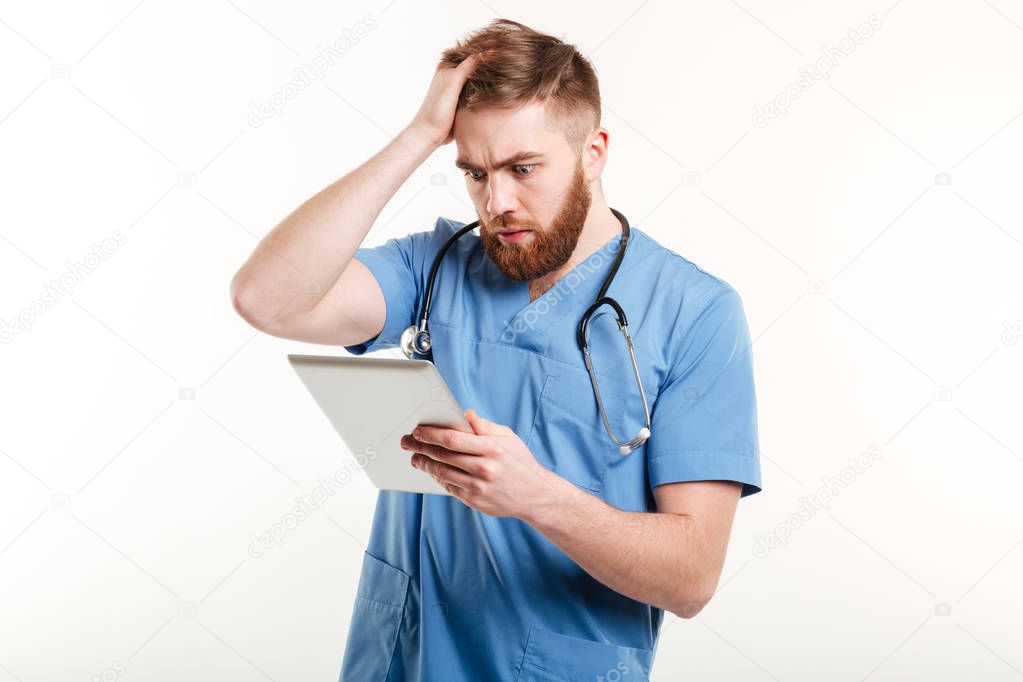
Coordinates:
(600, 226)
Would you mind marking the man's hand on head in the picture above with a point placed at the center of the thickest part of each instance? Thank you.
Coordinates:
(490, 470)
(436, 116)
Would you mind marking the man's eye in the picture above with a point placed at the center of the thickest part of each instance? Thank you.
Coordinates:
(529, 169)
(474, 175)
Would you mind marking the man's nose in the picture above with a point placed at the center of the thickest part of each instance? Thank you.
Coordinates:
(502, 196)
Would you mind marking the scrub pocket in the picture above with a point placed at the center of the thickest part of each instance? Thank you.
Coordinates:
(553, 657)
(376, 617)
(568, 435)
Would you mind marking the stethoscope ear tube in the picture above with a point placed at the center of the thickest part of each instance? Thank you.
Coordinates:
(580, 334)
(625, 447)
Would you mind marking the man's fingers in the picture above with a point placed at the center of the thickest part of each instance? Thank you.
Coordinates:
(457, 441)
(445, 473)
(471, 60)
(472, 464)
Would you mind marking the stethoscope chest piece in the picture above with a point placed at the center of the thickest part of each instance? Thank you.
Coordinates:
(414, 341)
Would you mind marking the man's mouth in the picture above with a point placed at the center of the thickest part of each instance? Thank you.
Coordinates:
(512, 236)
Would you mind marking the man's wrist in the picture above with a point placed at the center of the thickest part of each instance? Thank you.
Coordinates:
(556, 496)
(417, 141)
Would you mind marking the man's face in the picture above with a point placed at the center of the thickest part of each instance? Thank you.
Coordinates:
(527, 186)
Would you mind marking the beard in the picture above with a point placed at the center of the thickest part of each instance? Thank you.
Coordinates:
(549, 247)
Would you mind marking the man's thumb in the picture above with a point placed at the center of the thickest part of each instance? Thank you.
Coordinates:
(479, 424)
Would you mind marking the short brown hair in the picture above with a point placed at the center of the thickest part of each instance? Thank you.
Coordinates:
(521, 66)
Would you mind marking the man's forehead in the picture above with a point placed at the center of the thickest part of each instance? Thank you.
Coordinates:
(521, 117)
(491, 136)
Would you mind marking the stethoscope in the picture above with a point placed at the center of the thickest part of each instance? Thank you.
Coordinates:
(416, 338)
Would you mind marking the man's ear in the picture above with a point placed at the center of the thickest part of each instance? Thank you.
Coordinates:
(595, 153)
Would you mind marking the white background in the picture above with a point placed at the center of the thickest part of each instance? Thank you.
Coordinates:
(147, 431)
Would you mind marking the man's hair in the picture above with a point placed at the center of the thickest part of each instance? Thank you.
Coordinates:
(521, 66)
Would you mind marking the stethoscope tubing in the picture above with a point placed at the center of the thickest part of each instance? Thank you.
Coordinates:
(416, 339)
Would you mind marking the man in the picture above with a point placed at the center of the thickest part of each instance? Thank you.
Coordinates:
(555, 555)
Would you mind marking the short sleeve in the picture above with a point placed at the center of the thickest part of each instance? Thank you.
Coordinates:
(704, 420)
(397, 265)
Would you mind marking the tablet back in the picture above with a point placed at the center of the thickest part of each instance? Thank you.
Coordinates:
(373, 402)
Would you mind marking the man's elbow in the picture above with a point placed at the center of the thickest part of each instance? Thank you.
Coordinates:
(242, 301)
(689, 605)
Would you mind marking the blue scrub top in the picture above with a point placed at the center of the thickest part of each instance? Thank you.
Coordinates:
(447, 593)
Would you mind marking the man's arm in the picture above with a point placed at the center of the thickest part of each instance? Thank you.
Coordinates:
(317, 241)
(671, 559)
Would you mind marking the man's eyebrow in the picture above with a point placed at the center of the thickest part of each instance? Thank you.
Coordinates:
(511, 160)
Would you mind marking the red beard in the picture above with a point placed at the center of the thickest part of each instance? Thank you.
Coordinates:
(548, 248)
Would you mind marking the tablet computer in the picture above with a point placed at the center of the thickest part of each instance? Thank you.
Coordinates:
(373, 402)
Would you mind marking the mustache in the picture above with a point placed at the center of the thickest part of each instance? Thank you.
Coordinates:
(502, 223)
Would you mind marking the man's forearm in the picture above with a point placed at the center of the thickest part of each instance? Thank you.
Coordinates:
(318, 239)
(654, 558)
